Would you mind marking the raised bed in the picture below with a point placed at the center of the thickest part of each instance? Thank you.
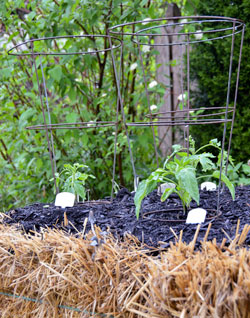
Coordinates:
(57, 274)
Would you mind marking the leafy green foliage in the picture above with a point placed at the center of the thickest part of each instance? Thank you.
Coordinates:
(80, 88)
(75, 181)
(239, 174)
(180, 168)
(245, 177)
(209, 69)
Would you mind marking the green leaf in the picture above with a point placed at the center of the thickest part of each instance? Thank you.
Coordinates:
(244, 181)
(182, 154)
(237, 167)
(188, 181)
(79, 189)
(67, 186)
(167, 193)
(56, 73)
(125, 14)
(246, 169)
(5, 72)
(228, 183)
(215, 142)
(176, 148)
(185, 198)
(68, 167)
(71, 117)
(144, 188)
(27, 114)
(72, 94)
(206, 163)
(39, 164)
(31, 16)
(158, 175)
(85, 139)
(29, 165)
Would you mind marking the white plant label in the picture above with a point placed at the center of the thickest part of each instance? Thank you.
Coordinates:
(196, 216)
(209, 186)
(65, 199)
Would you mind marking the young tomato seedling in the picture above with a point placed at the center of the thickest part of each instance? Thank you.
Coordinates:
(180, 168)
(75, 181)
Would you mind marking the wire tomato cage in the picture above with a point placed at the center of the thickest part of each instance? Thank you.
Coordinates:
(56, 52)
(166, 47)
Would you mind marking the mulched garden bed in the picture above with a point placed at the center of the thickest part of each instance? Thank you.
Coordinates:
(159, 222)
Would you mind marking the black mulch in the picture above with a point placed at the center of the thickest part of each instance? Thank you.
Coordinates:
(155, 223)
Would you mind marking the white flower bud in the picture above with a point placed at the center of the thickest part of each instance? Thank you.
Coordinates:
(145, 48)
(133, 66)
(152, 84)
(153, 107)
(198, 35)
(91, 123)
(146, 21)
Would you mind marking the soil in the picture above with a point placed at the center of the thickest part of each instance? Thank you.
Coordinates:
(158, 224)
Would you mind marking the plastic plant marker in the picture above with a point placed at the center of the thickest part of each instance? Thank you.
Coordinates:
(209, 186)
(196, 216)
(65, 199)
(164, 186)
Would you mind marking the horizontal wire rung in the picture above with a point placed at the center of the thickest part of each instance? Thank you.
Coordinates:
(78, 125)
(180, 123)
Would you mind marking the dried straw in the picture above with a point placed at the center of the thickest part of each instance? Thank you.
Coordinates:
(55, 275)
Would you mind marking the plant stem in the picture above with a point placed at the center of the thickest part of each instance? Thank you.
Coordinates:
(203, 147)
(169, 180)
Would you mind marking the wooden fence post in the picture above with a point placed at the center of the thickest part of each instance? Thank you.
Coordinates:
(169, 74)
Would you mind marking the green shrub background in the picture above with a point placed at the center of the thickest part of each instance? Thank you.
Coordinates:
(210, 70)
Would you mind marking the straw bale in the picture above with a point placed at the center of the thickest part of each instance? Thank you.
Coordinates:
(57, 275)
(206, 283)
